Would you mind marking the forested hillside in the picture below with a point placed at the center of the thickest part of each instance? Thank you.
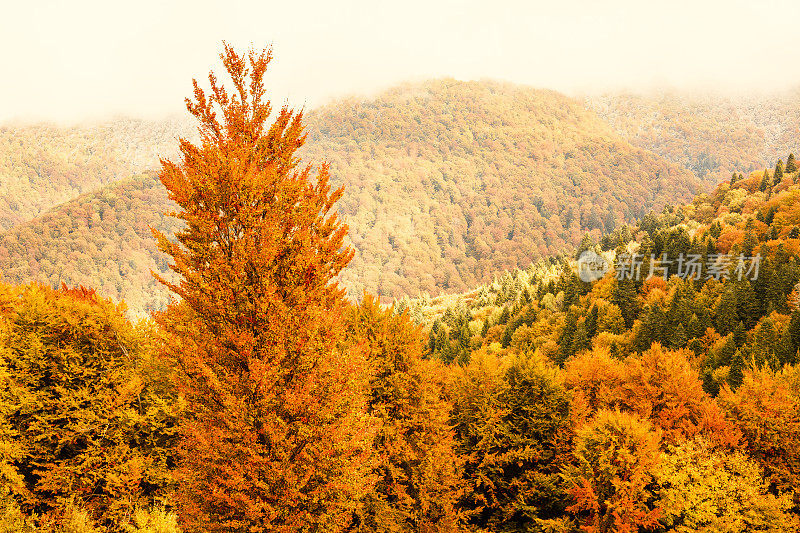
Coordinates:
(446, 183)
(42, 166)
(100, 239)
(449, 181)
(684, 354)
(711, 135)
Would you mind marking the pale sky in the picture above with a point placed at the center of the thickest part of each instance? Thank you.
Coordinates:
(89, 59)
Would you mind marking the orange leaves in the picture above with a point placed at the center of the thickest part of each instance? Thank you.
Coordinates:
(659, 386)
(616, 454)
(280, 438)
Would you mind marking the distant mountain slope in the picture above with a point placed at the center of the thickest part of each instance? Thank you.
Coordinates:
(712, 136)
(42, 166)
(446, 183)
(99, 240)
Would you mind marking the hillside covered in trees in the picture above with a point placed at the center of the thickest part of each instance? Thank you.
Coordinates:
(711, 135)
(447, 182)
(42, 166)
(660, 394)
(450, 181)
(101, 239)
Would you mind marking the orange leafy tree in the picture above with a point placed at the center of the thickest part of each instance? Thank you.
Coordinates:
(418, 471)
(279, 438)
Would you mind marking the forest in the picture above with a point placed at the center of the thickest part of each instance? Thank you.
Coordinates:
(257, 396)
(448, 182)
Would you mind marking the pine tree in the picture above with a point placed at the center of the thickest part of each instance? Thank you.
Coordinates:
(736, 374)
(279, 438)
(765, 181)
(791, 164)
(777, 175)
(695, 329)
(679, 337)
(726, 316)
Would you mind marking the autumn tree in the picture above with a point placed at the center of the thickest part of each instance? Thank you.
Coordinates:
(418, 472)
(766, 409)
(610, 483)
(279, 438)
(512, 420)
(81, 421)
(703, 488)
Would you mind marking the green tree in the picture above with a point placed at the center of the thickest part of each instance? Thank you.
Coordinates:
(791, 164)
(512, 421)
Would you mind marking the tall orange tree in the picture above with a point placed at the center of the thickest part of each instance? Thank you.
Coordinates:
(278, 438)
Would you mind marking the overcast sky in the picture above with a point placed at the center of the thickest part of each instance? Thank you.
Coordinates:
(87, 59)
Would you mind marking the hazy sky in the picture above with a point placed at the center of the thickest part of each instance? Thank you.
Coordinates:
(88, 59)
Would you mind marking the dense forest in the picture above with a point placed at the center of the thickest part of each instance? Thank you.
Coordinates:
(711, 135)
(42, 166)
(662, 395)
(100, 239)
(448, 182)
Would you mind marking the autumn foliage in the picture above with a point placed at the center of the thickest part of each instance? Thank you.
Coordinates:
(263, 400)
(279, 438)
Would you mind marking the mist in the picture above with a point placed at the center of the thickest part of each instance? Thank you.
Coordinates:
(89, 60)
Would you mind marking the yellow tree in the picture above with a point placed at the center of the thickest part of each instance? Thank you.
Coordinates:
(279, 438)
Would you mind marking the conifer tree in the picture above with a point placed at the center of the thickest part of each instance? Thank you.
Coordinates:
(777, 175)
(736, 373)
(791, 164)
(679, 337)
(765, 181)
(279, 438)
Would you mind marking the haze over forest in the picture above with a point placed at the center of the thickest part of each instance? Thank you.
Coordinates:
(474, 268)
(89, 59)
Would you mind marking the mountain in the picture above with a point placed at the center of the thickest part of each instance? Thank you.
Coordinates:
(446, 182)
(42, 166)
(742, 301)
(100, 240)
(711, 135)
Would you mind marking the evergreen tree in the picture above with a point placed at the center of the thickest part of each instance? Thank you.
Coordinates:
(791, 164)
(726, 316)
(740, 334)
(587, 243)
(736, 374)
(765, 181)
(679, 337)
(726, 353)
(695, 329)
(485, 328)
(279, 438)
(777, 175)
